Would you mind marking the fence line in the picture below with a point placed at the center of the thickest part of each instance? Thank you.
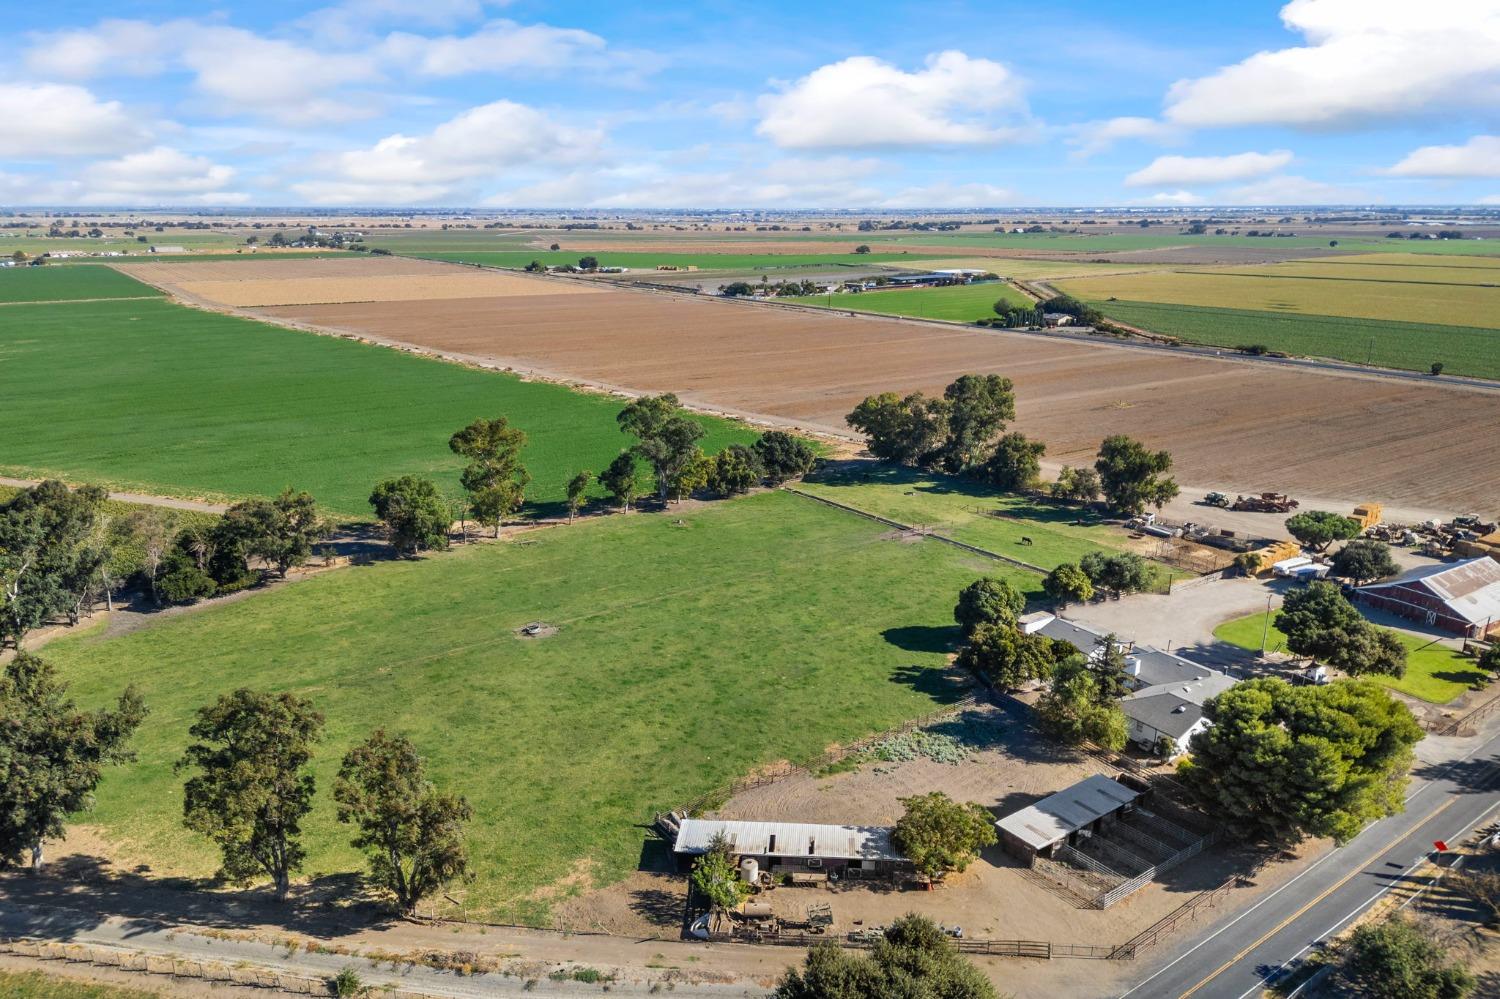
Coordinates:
(1128, 950)
(974, 549)
(1039, 949)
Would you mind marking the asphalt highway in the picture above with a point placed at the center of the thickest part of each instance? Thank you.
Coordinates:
(1239, 957)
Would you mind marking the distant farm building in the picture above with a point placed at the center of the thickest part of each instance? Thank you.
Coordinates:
(1462, 598)
(168, 249)
(1064, 817)
(803, 850)
(1057, 319)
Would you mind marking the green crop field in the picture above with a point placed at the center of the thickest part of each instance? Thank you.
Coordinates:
(36, 985)
(637, 260)
(1434, 672)
(155, 397)
(1123, 240)
(1408, 346)
(961, 304)
(60, 284)
(972, 513)
(694, 646)
(1289, 291)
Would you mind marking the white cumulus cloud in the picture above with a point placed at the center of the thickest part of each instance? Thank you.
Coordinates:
(949, 195)
(1288, 189)
(500, 46)
(160, 175)
(864, 103)
(1092, 138)
(1479, 157)
(57, 119)
(1363, 60)
(463, 153)
(1167, 171)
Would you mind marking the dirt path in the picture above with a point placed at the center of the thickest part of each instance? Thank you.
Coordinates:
(143, 499)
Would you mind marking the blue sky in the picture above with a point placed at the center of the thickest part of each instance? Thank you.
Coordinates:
(943, 104)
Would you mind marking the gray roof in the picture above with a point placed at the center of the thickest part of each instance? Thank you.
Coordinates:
(1165, 712)
(1085, 640)
(1470, 589)
(793, 839)
(1196, 690)
(1055, 817)
(1158, 667)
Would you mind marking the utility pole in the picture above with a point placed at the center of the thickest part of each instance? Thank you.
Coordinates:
(1265, 631)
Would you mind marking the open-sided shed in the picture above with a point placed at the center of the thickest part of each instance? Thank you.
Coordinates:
(1037, 829)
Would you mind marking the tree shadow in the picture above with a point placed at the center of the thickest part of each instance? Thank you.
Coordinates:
(658, 906)
(656, 857)
(923, 637)
(939, 685)
(80, 892)
(1475, 775)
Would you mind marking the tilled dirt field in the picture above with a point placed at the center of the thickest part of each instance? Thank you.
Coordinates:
(1231, 423)
(374, 279)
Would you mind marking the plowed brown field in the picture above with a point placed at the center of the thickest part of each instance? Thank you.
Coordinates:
(1229, 423)
(369, 279)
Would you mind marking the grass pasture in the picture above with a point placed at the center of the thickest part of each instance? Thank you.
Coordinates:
(1407, 346)
(960, 304)
(1434, 672)
(37, 985)
(53, 283)
(159, 398)
(971, 513)
(694, 646)
(1402, 294)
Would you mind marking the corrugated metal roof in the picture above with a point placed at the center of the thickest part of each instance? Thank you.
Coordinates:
(1470, 589)
(1049, 820)
(793, 839)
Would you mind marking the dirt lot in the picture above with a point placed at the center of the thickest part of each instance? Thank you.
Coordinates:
(375, 279)
(1229, 423)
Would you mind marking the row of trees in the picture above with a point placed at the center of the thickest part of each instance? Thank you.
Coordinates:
(61, 551)
(249, 790)
(963, 433)
(666, 461)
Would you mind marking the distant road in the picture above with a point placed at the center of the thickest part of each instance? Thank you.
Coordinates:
(1240, 957)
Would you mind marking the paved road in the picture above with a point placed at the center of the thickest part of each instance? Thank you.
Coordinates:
(1239, 957)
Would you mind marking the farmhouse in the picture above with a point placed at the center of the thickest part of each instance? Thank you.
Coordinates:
(1462, 598)
(1057, 319)
(797, 848)
(1146, 666)
(1061, 818)
(1171, 711)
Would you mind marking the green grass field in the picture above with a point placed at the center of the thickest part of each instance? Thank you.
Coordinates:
(1434, 672)
(962, 304)
(52, 283)
(1123, 240)
(755, 630)
(636, 260)
(1409, 346)
(159, 398)
(1293, 290)
(36, 985)
(971, 513)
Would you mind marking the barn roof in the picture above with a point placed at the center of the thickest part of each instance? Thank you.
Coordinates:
(1051, 819)
(1470, 589)
(793, 839)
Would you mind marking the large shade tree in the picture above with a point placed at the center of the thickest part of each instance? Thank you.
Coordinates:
(915, 960)
(940, 835)
(1133, 477)
(1280, 762)
(1317, 529)
(987, 600)
(52, 755)
(51, 554)
(251, 789)
(667, 437)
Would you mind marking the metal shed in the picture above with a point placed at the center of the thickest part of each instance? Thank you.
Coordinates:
(1038, 828)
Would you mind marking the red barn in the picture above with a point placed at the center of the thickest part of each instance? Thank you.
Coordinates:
(1462, 598)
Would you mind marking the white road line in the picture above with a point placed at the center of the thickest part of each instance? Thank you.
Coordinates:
(1327, 856)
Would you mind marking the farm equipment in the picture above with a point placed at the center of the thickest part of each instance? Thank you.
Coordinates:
(1266, 503)
(1216, 499)
(1368, 515)
(817, 919)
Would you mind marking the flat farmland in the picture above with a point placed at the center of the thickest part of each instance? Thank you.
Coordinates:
(155, 397)
(1398, 294)
(377, 279)
(53, 283)
(962, 304)
(648, 259)
(1230, 423)
(693, 647)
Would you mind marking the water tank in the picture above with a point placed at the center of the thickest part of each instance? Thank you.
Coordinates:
(749, 870)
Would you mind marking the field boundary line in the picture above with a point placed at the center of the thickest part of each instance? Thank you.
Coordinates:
(975, 549)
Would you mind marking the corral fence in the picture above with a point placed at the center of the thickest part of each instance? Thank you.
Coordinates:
(716, 797)
(1152, 934)
(1465, 722)
(1044, 950)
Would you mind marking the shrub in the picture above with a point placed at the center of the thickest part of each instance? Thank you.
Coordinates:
(347, 984)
